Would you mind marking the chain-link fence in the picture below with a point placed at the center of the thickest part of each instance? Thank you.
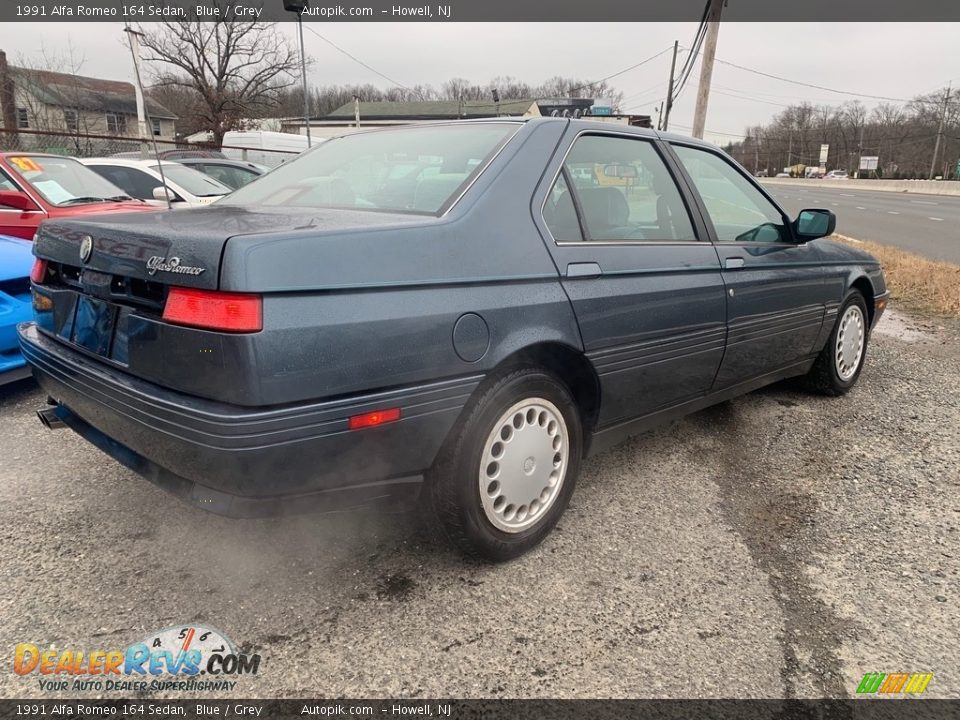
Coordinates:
(86, 145)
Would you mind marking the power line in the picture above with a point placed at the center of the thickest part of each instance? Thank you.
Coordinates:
(361, 62)
(691, 59)
(750, 99)
(715, 132)
(620, 72)
(811, 85)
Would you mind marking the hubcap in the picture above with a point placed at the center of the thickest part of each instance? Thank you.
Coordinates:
(523, 465)
(850, 338)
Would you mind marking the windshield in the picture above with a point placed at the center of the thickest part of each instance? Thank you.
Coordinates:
(64, 181)
(413, 169)
(195, 183)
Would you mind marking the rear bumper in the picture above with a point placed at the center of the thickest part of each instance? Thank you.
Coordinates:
(241, 462)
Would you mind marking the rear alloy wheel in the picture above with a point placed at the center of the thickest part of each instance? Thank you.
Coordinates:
(508, 475)
(839, 364)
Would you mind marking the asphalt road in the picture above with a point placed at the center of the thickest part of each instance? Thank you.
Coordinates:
(927, 225)
(782, 544)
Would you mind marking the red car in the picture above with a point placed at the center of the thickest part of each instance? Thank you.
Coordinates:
(35, 186)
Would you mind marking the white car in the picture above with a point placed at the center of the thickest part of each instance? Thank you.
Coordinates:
(141, 179)
(836, 175)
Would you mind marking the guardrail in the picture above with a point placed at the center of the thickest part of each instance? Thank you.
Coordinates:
(926, 187)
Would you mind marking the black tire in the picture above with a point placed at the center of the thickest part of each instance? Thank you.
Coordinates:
(824, 377)
(453, 488)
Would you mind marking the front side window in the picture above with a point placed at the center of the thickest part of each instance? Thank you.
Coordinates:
(740, 212)
(6, 183)
(623, 190)
(417, 169)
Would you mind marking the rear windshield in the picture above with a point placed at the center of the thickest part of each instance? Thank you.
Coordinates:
(195, 183)
(64, 181)
(413, 169)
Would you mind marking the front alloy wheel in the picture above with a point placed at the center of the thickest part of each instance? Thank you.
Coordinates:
(839, 364)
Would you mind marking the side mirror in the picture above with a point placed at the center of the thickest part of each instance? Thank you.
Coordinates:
(17, 199)
(161, 191)
(813, 224)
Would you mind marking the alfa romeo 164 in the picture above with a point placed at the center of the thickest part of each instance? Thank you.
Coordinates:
(447, 316)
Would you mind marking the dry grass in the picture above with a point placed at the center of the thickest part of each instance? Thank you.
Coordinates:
(915, 282)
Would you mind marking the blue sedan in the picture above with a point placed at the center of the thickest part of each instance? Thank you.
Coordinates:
(448, 316)
(16, 259)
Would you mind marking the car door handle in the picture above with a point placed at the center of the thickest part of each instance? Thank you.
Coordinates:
(583, 270)
(734, 263)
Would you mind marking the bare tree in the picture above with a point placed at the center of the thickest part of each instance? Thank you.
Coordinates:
(237, 69)
(901, 136)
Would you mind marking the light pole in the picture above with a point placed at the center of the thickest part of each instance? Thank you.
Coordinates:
(298, 6)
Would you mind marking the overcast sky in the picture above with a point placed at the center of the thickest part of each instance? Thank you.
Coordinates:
(897, 60)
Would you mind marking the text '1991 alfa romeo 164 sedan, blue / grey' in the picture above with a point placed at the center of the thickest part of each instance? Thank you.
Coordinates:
(448, 316)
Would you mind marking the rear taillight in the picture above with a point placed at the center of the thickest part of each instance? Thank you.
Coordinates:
(228, 312)
(39, 272)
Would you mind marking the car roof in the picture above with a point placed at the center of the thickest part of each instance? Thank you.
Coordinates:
(585, 124)
(126, 162)
(23, 153)
(217, 161)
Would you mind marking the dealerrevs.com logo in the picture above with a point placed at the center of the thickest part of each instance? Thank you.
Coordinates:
(183, 657)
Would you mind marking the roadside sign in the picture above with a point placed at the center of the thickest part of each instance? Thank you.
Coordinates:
(869, 162)
(824, 151)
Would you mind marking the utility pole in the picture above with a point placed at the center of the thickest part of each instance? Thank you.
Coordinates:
(706, 67)
(936, 147)
(299, 6)
(860, 147)
(134, 37)
(673, 67)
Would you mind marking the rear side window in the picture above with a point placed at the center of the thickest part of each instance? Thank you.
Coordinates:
(227, 174)
(560, 213)
(418, 169)
(135, 183)
(623, 191)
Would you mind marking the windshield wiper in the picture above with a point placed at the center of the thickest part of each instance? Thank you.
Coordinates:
(78, 200)
(118, 198)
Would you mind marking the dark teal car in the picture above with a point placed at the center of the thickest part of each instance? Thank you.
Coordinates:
(456, 336)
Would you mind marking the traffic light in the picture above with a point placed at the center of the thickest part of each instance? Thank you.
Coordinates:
(297, 6)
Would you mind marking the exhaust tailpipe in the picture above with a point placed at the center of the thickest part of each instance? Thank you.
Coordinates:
(48, 416)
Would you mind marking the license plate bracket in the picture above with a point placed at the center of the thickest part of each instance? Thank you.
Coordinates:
(94, 325)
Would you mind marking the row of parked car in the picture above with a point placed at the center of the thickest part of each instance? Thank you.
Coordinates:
(36, 186)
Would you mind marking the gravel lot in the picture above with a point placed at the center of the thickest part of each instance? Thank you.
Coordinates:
(778, 545)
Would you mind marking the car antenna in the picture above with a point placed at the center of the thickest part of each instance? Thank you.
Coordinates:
(134, 38)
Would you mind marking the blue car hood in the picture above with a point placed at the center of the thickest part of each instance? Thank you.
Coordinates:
(16, 258)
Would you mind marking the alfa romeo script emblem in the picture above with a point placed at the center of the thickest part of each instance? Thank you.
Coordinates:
(86, 248)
